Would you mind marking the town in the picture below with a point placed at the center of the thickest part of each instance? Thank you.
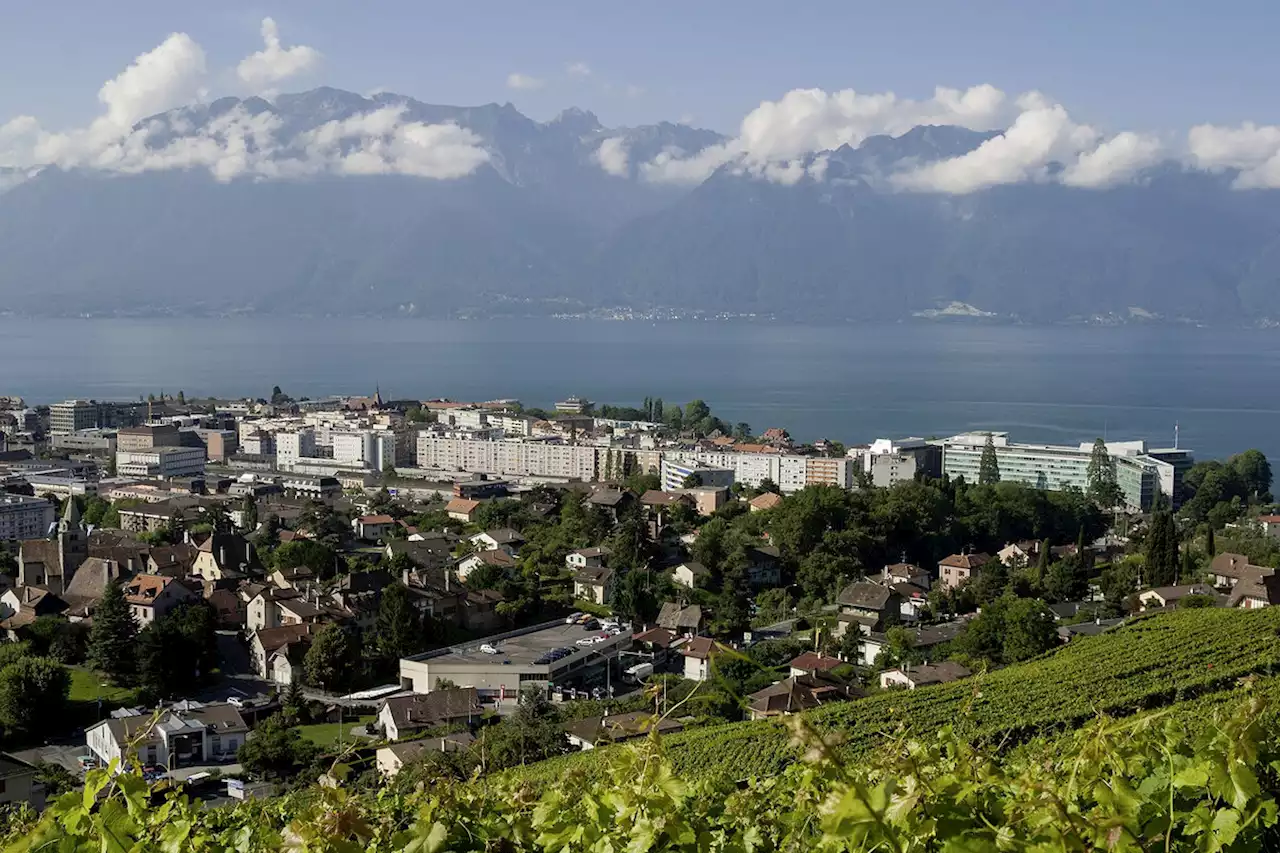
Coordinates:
(230, 594)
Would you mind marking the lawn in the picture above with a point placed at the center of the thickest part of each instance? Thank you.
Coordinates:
(326, 734)
(85, 688)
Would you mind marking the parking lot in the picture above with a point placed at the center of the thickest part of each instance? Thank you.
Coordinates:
(527, 648)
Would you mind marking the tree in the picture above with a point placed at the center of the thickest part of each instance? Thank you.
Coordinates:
(1161, 550)
(768, 485)
(742, 430)
(1065, 582)
(316, 556)
(774, 605)
(691, 481)
(33, 695)
(112, 637)
(249, 513)
(733, 605)
(533, 733)
(332, 660)
(1102, 489)
(1254, 469)
(1029, 630)
(400, 630)
(276, 751)
(1210, 545)
(988, 464)
(637, 595)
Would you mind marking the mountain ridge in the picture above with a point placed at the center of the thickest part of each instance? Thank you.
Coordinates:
(559, 217)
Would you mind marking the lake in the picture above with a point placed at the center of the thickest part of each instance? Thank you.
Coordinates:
(852, 383)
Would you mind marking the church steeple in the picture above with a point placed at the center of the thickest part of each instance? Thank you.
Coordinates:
(377, 397)
(70, 516)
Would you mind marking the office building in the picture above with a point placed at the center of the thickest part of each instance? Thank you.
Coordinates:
(1141, 474)
(886, 462)
(22, 517)
(95, 442)
(73, 416)
(161, 462)
(61, 484)
(675, 473)
(147, 436)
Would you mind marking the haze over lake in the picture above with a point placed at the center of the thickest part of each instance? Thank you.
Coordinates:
(851, 383)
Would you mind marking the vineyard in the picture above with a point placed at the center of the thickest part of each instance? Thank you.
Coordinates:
(1151, 663)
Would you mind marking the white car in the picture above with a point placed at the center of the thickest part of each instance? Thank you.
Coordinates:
(587, 641)
(235, 701)
(488, 649)
(573, 618)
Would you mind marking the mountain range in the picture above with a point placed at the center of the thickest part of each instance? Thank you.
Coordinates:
(559, 217)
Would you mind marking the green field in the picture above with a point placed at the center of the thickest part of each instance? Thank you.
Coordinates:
(328, 734)
(1170, 658)
(85, 687)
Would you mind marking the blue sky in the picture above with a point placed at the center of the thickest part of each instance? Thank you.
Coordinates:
(1119, 64)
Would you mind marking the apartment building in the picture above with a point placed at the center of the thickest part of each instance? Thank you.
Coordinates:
(161, 462)
(1141, 473)
(675, 472)
(147, 437)
(513, 458)
(791, 472)
(22, 517)
(889, 461)
(73, 416)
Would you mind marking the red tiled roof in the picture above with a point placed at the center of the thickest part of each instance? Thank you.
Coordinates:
(377, 519)
(965, 561)
(812, 661)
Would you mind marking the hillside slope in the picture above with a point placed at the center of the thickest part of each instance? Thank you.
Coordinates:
(1151, 663)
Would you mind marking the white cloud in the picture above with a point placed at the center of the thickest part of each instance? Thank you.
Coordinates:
(578, 69)
(274, 64)
(804, 121)
(612, 156)
(1252, 149)
(1115, 161)
(634, 91)
(516, 80)
(382, 143)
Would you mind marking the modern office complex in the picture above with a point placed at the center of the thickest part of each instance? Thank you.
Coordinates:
(1141, 472)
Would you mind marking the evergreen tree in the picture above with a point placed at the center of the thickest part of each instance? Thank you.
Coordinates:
(1161, 551)
(112, 637)
(1101, 477)
(1210, 545)
(988, 465)
(400, 631)
(249, 513)
(658, 413)
(33, 695)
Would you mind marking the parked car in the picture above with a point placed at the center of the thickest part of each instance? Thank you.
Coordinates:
(488, 649)
(573, 618)
(591, 625)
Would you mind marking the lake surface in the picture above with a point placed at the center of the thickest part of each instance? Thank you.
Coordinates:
(851, 383)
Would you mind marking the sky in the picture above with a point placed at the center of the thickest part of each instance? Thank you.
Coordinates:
(1157, 66)
(1088, 93)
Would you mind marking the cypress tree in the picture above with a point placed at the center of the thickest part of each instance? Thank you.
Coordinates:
(988, 465)
(113, 635)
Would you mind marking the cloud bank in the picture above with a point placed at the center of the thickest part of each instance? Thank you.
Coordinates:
(785, 141)
(132, 136)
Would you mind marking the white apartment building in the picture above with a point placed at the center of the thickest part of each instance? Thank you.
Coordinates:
(162, 462)
(790, 472)
(293, 445)
(73, 416)
(512, 458)
(22, 517)
(675, 472)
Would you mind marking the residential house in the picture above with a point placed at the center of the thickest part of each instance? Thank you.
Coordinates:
(905, 573)
(765, 501)
(1270, 525)
(924, 639)
(425, 553)
(913, 601)
(813, 663)
(360, 593)
(1259, 588)
(403, 716)
(187, 734)
(225, 556)
(18, 783)
(478, 610)
(272, 607)
(699, 656)
(922, 675)
(1227, 569)
(22, 605)
(614, 502)
(462, 509)
(615, 728)
(176, 561)
(227, 605)
(764, 566)
(594, 585)
(502, 539)
(372, 528)
(867, 608)
(798, 693)
(1018, 554)
(300, 578)
(471, 562)
(277, 653)
(150, 597)
(1169, 596)
(656, 644)
(588, 558)
(659, 506)
(88, 584)
(680, 620)
(958, 568)
(691, 574)
(1067, 633)
(392, 758)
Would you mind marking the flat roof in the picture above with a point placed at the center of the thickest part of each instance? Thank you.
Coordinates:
(523, 649)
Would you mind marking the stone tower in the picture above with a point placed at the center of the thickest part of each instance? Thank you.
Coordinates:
(73, 542)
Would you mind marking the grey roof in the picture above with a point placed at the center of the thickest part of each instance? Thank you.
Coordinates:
(673, 617)
(937, 673)
(865, 594)
(617, 727)
(11, 765)
(504, 536)
(598, 575)
(695, 568)
(799, 693)
(1175, 593)
(427, 710)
